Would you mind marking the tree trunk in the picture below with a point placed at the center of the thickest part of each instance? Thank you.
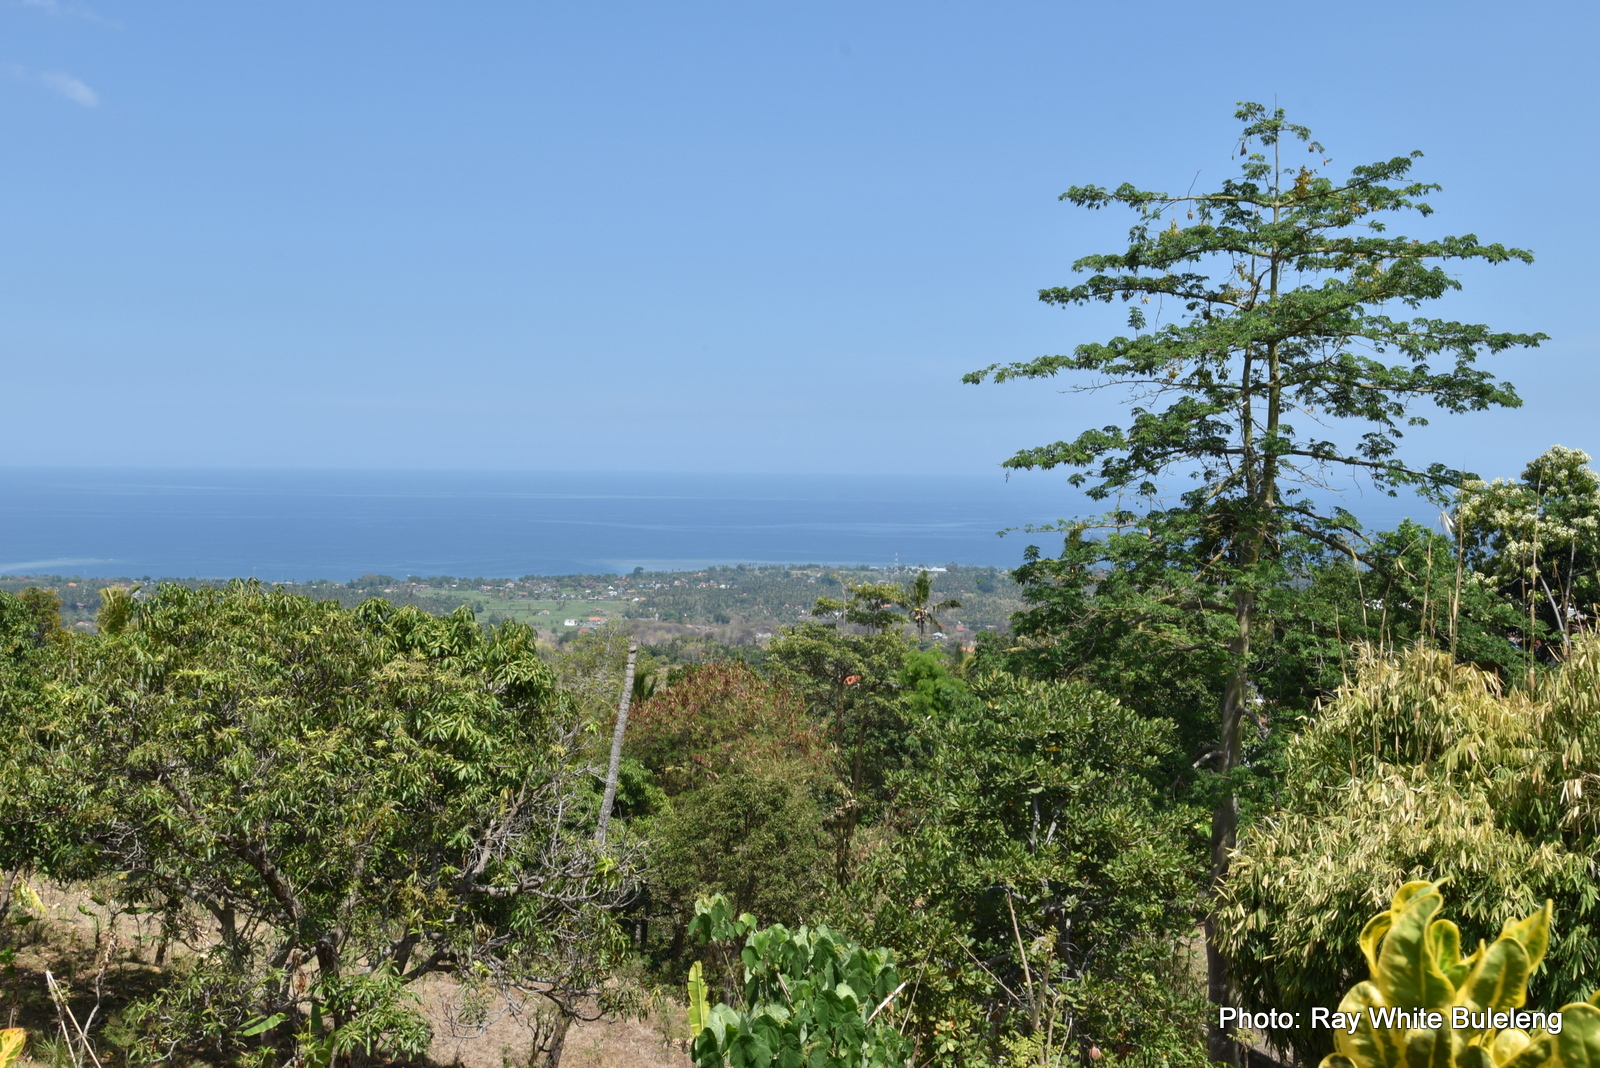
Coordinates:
(1225, 821)
(7, 891)
(547, 1053)
(615, 770)
(1258, 530)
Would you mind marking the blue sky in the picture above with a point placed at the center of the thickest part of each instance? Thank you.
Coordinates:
(697, 236)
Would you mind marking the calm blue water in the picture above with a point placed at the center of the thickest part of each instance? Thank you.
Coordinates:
(339, 524)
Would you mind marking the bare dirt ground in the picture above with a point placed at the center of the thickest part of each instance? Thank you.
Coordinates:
(602, 1044)
(506, 1037)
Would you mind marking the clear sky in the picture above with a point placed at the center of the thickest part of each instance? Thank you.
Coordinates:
(698, 236)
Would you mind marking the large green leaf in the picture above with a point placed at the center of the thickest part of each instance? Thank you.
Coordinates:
(1500, 979)
(1578, 1044)
(1367, 1046)
(1533, 932)
(1408, 974)
(697, 999)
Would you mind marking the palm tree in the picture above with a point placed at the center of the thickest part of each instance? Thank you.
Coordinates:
(917, 600)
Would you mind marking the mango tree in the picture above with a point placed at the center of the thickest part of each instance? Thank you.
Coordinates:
(325, 806)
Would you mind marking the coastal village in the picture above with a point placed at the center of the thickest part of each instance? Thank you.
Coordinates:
(738, 605)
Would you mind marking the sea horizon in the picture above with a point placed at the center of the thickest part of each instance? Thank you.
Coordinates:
(301, 524)
(287, 524)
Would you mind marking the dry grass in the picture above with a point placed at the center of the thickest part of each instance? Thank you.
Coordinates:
(71, 940)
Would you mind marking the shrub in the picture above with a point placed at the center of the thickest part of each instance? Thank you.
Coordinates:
(809, 997)
(756, 839)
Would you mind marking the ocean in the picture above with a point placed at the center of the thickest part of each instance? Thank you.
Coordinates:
(296, 525)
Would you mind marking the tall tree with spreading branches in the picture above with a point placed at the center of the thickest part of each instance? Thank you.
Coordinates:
(1295, 359)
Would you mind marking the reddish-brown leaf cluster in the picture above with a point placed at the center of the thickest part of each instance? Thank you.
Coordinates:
(716, 718)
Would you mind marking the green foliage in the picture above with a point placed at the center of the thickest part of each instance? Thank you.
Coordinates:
(590, 670)
(1421, 767)
(851, 686)
(1412, 588)
(847, 680)
(1122, 613)
(1039, 889)
(810, 998)
(758, 839)
(327, 805)
(871, 605)
(1415, 962)
(380, 1016)
(32, 834)
(699, 1007)
(929, 689)
(639, 796)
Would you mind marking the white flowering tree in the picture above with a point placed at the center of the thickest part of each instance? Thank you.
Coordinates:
(1538, 539)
